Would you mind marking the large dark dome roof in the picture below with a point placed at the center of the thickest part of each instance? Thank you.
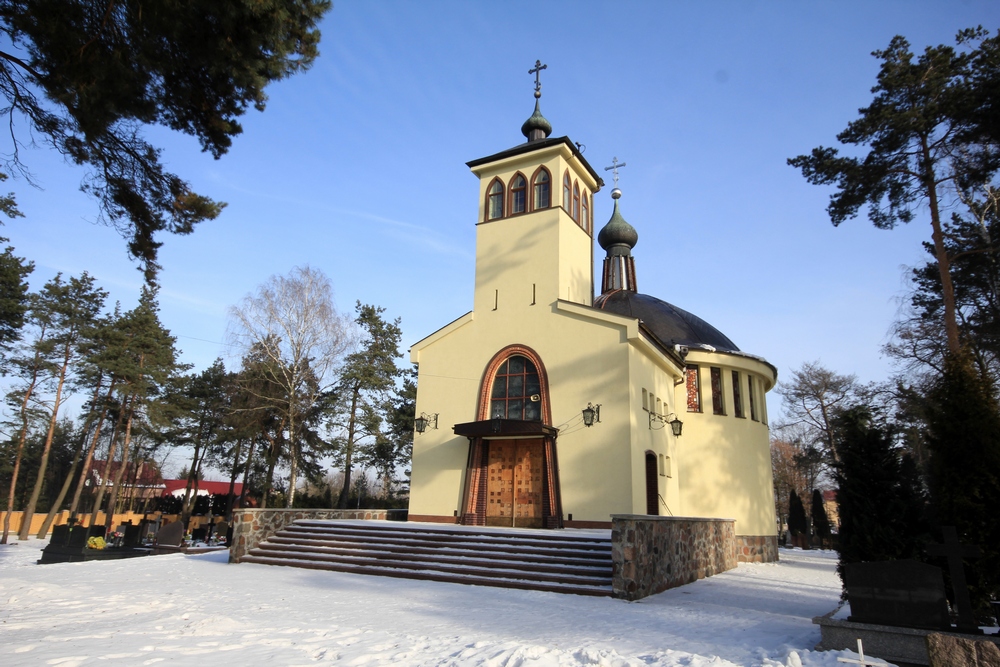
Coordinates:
(670, 324)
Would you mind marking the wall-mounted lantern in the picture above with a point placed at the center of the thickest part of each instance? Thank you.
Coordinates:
(424, 420)
(592, 414)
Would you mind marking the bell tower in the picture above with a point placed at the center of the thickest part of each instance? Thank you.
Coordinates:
(534, 236)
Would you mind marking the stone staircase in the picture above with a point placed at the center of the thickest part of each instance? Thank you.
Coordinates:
(541, 560)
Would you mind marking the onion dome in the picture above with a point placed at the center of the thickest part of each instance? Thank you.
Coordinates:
(537, 127)
(617, 237)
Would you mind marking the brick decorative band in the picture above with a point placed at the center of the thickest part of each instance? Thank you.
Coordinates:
(652, 554)
(251, 527)
(757, 548)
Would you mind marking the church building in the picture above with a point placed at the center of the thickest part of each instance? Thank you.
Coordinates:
(548, 406)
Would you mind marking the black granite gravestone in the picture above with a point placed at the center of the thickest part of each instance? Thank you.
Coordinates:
(133, 536)
(955, 552)
(199, 534)
(900, 593)
(60, 535)
(171, 535)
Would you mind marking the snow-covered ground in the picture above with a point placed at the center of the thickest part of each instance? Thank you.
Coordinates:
(189, 610)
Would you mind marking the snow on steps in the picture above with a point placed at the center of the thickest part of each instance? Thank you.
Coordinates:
(535, 560)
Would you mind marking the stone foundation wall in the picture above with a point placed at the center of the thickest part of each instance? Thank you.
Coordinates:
(757, 548)
(652, 554)
(251, 527)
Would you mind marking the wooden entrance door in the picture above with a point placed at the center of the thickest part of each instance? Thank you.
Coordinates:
(515, 483)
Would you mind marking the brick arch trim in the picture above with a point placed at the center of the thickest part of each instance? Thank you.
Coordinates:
(486, 384)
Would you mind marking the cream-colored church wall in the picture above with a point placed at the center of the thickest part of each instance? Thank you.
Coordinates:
(648, 371)
(724, 462)
(582, 359)
(534, 258)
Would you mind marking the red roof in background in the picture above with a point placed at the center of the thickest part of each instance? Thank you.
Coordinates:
(203, 487)
(149, 475)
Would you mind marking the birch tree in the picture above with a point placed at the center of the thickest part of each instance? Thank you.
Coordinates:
(292, 322)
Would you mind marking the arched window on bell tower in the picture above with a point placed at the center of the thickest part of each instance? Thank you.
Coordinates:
(518, 188)
(494, 200)
(541, 195)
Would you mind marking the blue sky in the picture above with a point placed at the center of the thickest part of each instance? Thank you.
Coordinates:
(357, 167)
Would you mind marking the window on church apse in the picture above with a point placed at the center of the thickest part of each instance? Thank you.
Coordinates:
(718, 400)
(514, 385)
(586, 213)
(737, 395)
(517, 193)
(495, 201)
(693, 389)
(541, 199)
(567, 190)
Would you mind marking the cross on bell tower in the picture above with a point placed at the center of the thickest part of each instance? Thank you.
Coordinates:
(537, 71)
(537, 127)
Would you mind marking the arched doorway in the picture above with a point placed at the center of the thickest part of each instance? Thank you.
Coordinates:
(652, 485)
(511, 478)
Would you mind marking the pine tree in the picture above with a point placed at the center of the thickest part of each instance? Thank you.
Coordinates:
(366, 383)
(798, 525)
(875, 500)
(820, 521)
(86, 77)
(70, 310)
(964, 441)
(921, 134)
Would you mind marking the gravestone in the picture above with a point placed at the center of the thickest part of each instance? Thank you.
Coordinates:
(902, 593)
(60, 535)
(955, 552)
(171, 535)
(221, 530)
(133, 536)
(199, 534)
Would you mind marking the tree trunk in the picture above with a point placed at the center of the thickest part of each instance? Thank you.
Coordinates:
(112, 447)
(109, 517)
(941, 253)
(22, 437)
(246, 474)
(349, 448)
(89, 458)
(232, 479)
(57, 503)
(29, 511)
(293, 467)
(191, 487)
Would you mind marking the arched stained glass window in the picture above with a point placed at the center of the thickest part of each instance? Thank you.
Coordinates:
(576, 202)
(495, 201)
(541, 199)
(516, 391)
(566, 192)
(517, 192)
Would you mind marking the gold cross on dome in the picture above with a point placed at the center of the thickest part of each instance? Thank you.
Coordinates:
(615, 166)
(537, 71)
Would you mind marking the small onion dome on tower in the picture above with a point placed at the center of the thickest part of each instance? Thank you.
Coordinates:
(537, 127)
(618, 238)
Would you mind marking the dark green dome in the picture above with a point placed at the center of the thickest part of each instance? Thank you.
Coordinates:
(618, 232)
(536, 122)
